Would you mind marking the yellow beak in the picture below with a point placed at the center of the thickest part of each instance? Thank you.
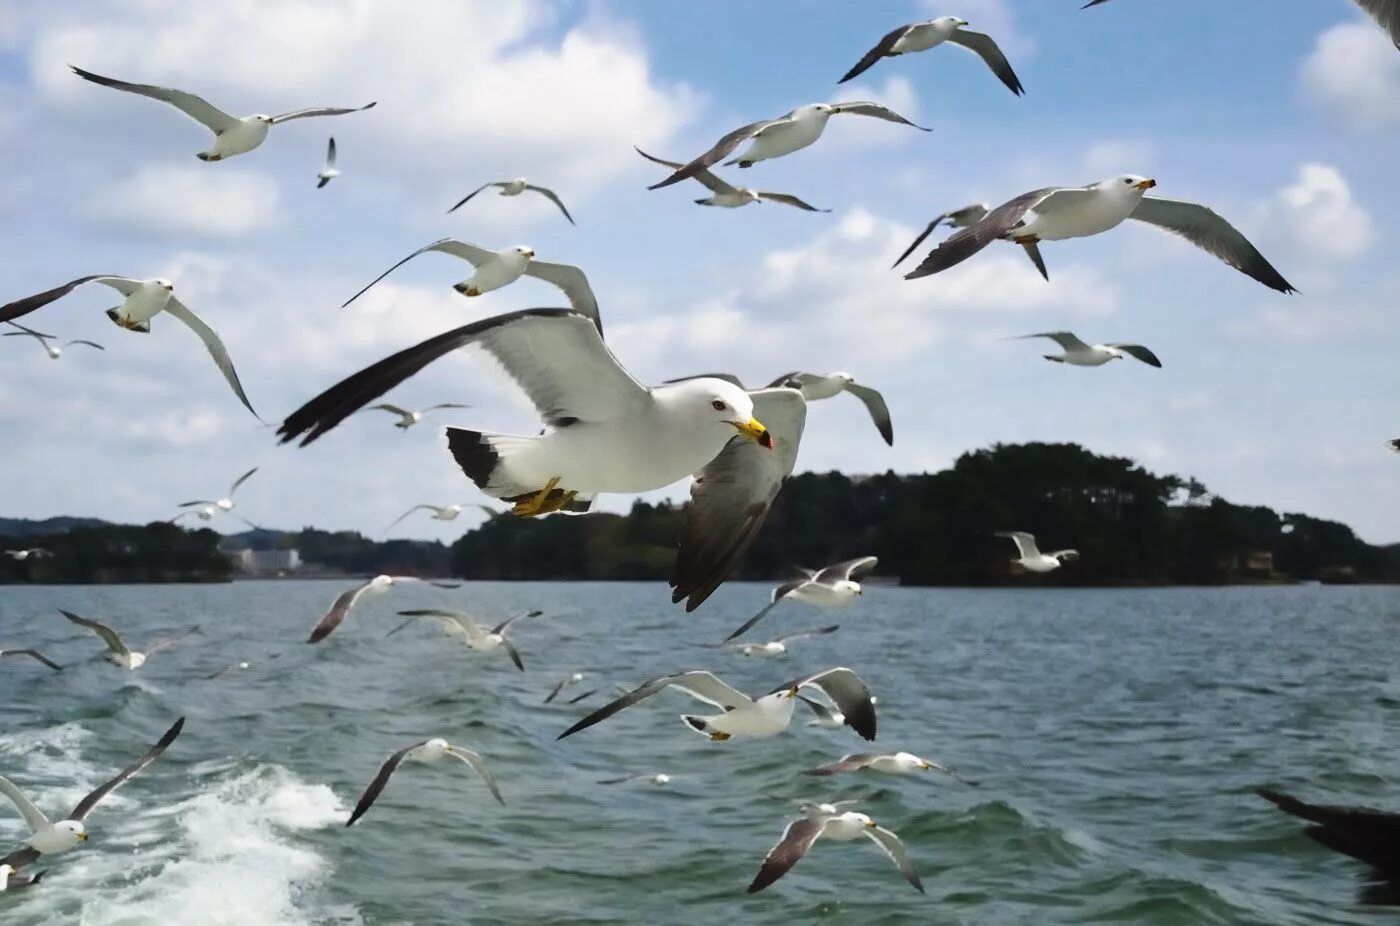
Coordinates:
(82, 837)
(754, 430)
(1147, 184)
(872, 823)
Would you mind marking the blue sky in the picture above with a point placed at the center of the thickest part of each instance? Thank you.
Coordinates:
(1289, 131)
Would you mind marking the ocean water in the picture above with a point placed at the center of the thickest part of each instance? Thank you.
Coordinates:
(1117, 735)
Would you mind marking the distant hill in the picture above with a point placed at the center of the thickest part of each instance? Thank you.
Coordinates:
(24, 527)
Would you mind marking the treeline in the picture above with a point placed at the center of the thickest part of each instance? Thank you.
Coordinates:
(157, 552)
(1131, 527)
(353, 553)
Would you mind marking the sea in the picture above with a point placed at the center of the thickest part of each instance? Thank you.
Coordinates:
(1116, 736)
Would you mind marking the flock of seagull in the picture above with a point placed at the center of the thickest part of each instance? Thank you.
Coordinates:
(606, 432)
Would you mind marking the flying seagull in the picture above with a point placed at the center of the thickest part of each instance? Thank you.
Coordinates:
(407, 417)
(118, 653)
(817, 386)
(571, 679)
(1394, 445)
(207, 512)
(748, 717)
(922, 36)
(232, 135)
(842, 826)
(53, 350)
(659, 778)
(225, 503)
(835, 586)
(142, 301)
(773, 138)
(428, 751)
(605, 432)
(49, 838)
(32, 654)
(446, 513)
(23, 555)
(824, 716)
(890, 763)
(515, 188)
(774, 648)
(1078, 354)
(1030, 557)
(958, 218)
(731, 197)
(328, 172)
(495, 269)
(1057, 213)
(371, 588)
(461, 625)
(1369, 836)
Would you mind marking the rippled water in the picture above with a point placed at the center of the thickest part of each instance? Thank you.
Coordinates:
(1117, 736)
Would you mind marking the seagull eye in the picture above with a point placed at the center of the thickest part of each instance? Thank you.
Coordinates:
(1129, 182)
(717, 405)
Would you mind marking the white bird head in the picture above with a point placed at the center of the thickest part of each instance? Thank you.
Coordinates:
(164, 284)
(948, 22)
(263, 118)
(813, 109)
(524, 250)
(379, 583)
(848, 585)
(911, 760)
(1126, 186)
(714, 403)
(857, 818)
(747, 195)
(73, 828)
(54, 351)
(844, 377)
(436, 745)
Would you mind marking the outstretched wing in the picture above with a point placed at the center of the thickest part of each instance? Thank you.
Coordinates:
(468, 198)
(574, 284)
(788, 851)
(240, 480)
(879, 412)
(854, 569)
(708, 180)
(197, 108)
(1204, 228)
(847, 691)
(788, 199)
(33, 654)
(778, 594)
(722, 149)
(866, 108)
(320, 111)
(1025, 543)
(988, 51)
(1387, 14)
(478, 766)
(86, 804)
(801, 634)
(215, 347)
(851, 763)
(337, 613)
(33, 817)
(552, 197)
(503, 625)
(409, 512)
(1066, 339)
(376, 787)
(471, 253)
(966, 242)
(881, 49)
(892, 847)
(1140, 352)
(697, 683)
(20, 307)
(108, 635)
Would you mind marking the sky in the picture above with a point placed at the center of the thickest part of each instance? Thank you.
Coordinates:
(1283, 115)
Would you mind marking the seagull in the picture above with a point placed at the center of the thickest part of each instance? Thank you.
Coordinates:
(828, 718)
(773, 138)
(9, 881)
(748, 717)
(371, 588)
(49, 838)
(958, 218)
(515, 188)
(448, 513)
(142, 301)
(118, 653)
(817, 386)
(428, 751)
(840, 826)
(571, 679)
(31, 553)
(775, 648)
(832, 587)
(1057, 213)
(1394, 445)
(922, 36)
(495, 269)
(1078, 354)
(660, 778)
(328, 172)
(1030, 556)
(891, 763)
(53, 350)
(731, 197)
(32, 654)
(407, 417)
(225, 503)
(605, 432)
(459, 624)
(1367, 835)
(232, 135)
(207, 512)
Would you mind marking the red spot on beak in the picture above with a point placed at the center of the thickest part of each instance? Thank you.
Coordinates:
(766, 440)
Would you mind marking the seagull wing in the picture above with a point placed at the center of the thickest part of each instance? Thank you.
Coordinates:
(376, 787)
(240, 480)
(721, 150)
(337, 613)
(430, 408)
(108, 635)
(849, 763)
(894, 848)
(32, 654)
(1367, 835)
(820, 631)
(167, 642)
(732, 495)
(778, 594)
(197, 108)
(707, 179)
(788, 851)
(556, 356)
(460, 618)
(1025, 543)
(503, 625)
(988, 51)
(560, 686)
(821, 711)
(514, 654)
(928, 230)
(471, 253)
(875, 404)
(1201, 226)
(392, 409)
(19, 307)
(86, 804)
(409, 512)
(866, 108)
(1140, 352)
(847, 692)
(466, 199)
(1066, 339)
(320, 111)
(330, 153)
(574, 284)
(552, 197)
(857, 568)
(215, 347)
(33, 818)
(85, 344)
(478, 766)
(881, 49)
(788, 199)
(699, 684)
(1387, 14)
(998, 223)
(727, 377)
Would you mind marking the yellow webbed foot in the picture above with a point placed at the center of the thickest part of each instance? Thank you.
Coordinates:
(718, 737)
(536, 504)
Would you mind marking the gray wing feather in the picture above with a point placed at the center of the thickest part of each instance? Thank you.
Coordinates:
(320, 111)
(215, 347)
(33, 654)
(988, 51)
(879, 412)
(721, 149)
(466, 199)
(847, 692)
(337, 613)
(1204, 228)
(696, 682)
(108, 635)
(380, 780)
(573, 282)
(928, 230)
(727, 377)
(866, 108)
(818, 632)
(28, 304)
(856, 568)
(1140, 352)
(554, 198)
(479, 766)
(788, 851)
(86, 804)
(197, 108)
(1387, 14)
(789, 200)
(240, 480)
(851, 763)
(471, 253)
(891, 845)
(881, 49)
(966, 242)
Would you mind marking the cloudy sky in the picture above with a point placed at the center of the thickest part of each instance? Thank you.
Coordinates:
(1290, 131)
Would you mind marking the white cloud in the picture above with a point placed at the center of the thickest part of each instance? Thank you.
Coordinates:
(1323, 216)
(1114, 156)
(191, 199)
(1353, 73)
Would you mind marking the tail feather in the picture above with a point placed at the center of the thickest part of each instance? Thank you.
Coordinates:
(482, 458)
